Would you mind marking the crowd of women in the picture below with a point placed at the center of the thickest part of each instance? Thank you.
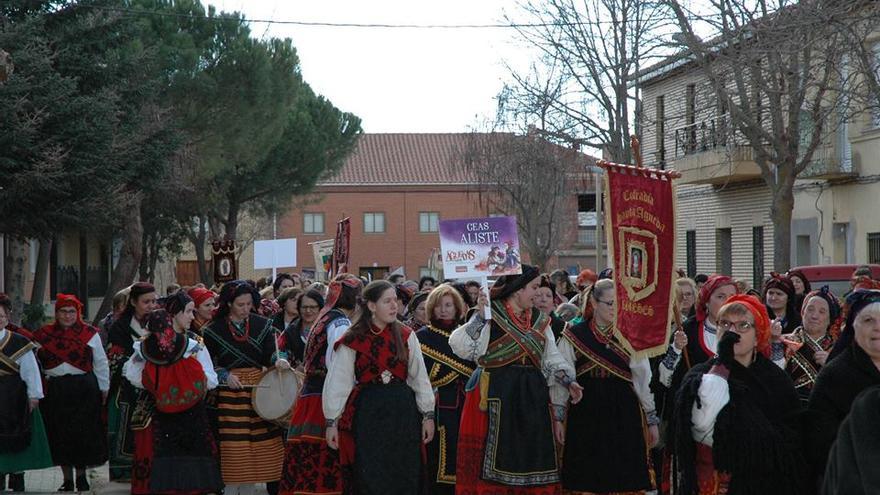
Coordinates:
(408, 388)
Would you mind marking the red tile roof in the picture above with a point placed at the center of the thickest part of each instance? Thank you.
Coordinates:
(405, 159)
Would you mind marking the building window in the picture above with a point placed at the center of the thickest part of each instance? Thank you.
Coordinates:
(424, 271)
(723, 251)
(373, 272)
(874, 247)
(429, 221)
(313, 223)
(374, 223)
(757, 256)
(660, 130)
(691, 252)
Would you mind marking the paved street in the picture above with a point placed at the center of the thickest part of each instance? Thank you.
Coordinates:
(48, 481)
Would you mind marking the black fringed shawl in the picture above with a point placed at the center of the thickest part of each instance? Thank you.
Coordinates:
(757, 437)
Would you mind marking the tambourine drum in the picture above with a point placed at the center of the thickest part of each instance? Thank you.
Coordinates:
(275, 394)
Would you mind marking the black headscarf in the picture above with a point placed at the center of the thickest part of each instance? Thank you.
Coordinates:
(508, 284)
(855, 303)
(230, 291)
(175, 303)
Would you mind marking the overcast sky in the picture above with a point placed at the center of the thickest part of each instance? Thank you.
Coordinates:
(398, 80)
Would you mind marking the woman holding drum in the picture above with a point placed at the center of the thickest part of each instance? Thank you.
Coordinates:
(242, 344)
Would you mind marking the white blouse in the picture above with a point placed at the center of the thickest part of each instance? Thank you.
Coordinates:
(341, 379)
(134, 367)
(29, 371)
(471, 340)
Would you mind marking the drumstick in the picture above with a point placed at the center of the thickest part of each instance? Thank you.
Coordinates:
(277, 354)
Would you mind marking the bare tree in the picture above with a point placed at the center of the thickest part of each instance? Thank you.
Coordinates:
(775, 66)
(531, 179)
(581, 91)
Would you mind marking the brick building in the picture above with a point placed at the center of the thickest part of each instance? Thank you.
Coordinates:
(396, 188)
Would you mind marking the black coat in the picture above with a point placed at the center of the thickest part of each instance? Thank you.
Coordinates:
(757, 436)
(854, 458)
(839, 383)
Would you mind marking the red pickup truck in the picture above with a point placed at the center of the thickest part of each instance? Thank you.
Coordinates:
(836, 277)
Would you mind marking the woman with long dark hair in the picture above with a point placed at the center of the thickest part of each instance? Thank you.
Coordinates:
(378, 400)
(128, 407)
(310, 466)
(242, 343)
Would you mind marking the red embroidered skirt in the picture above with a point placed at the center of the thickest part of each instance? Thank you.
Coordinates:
(471, 442)
(310, 466)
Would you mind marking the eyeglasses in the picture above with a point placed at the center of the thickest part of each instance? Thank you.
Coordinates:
(67, 311)
(739, 327)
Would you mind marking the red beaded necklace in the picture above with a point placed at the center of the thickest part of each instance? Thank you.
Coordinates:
(523, 322)
(234, 333)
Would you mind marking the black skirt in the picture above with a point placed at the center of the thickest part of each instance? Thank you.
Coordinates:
(185, 455)
(387, 435)
(15, 418)
(605, 449)
(72, 412)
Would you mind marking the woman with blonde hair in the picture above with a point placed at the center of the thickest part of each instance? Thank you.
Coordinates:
(449, 375)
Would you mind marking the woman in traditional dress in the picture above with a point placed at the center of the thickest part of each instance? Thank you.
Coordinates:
(206, 303)
(128, 413)
(288, 300)
(692, 345)
(738, 415)
(686, 297)
(564, 288)
(545, 302)
(809, 345)
(416, 315)
(781, 302)
(845, 376)
(801, 286)
(242, 345)
(77, 380)
(506, 438)
(378, 400)
(310, 466)
(23, 443)
(607, 437)
(292, 342)
(449, 375)
(180, 456)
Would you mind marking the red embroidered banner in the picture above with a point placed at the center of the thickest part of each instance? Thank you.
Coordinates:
(640, 215)
(341, 246)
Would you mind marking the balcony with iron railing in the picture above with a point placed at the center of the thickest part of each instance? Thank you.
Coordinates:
(712, 152)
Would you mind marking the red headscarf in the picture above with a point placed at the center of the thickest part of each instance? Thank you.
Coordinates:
(586, 277)
(762, 319)
(712, 284)
(69, 301)
(864, 282)
(200, 295)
